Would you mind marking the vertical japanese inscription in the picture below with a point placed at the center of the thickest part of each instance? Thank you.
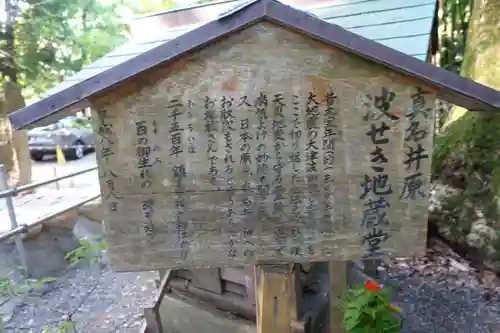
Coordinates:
(245, 161)
(279, 141)
(147, 208)
(210, 118)
(228, 122)
(191, 132)
(278, 127)
(262, 156)
(415, 134)
(329, 137)
(228, 128)
(295, 160)
(106, 141)
(143, 153)
(179, 173)
(312, 122)
(376, 187)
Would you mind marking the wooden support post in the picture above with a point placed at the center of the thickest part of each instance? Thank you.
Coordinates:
(250, 285)
(295, 291)
(152, 315)
(276, 298)
(337, 271)
(161, 274)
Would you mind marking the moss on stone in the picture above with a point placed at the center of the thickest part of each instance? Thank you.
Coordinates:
(467, 154)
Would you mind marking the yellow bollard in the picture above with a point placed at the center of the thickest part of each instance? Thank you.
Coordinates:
(60, 155)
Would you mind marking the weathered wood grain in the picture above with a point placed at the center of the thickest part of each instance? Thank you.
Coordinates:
(221, 192)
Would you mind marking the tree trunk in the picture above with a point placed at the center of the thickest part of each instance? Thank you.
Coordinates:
(15, 101)
(14, 150)
(467, 155)
(11, 69)
(8, 156)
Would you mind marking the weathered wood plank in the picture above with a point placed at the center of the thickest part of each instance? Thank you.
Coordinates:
(306, 154)
(250, 284)
(152, 314)
(273, 298)
(229, 302)
(235, 274)
(295, 290)
(208, 279)
(235, 288)
(337, 270)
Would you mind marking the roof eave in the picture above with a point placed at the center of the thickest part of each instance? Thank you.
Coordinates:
(450, 86)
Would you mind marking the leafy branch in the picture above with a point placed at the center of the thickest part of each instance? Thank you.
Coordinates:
(367, 309)
(9, 288)
(89, 253)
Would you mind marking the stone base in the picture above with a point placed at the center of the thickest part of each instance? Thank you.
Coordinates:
(181, 313)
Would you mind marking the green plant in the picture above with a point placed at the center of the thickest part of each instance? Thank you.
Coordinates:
(89, 252)
(67, 327)
(8, 288)
(367, 309)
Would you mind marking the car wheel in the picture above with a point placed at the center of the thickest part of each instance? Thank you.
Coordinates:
(77, 152)
(37, 156)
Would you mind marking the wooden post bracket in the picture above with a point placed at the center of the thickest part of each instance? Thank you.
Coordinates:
(151, 314)
(337, 271)
(278, 298)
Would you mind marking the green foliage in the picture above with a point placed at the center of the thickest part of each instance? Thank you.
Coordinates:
(453, 25)
(57, 38)
(88, 253)
(9, 288)
(67, 327)
(151, 6)
(369, 311)
(43, 42)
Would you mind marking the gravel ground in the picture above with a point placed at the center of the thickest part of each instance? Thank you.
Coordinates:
(438, 293)
(98, 301)
(432, 307)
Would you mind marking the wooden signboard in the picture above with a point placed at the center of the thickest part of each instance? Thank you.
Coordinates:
(265, 146)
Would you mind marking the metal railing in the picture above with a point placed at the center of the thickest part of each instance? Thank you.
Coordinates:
(19, 228)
